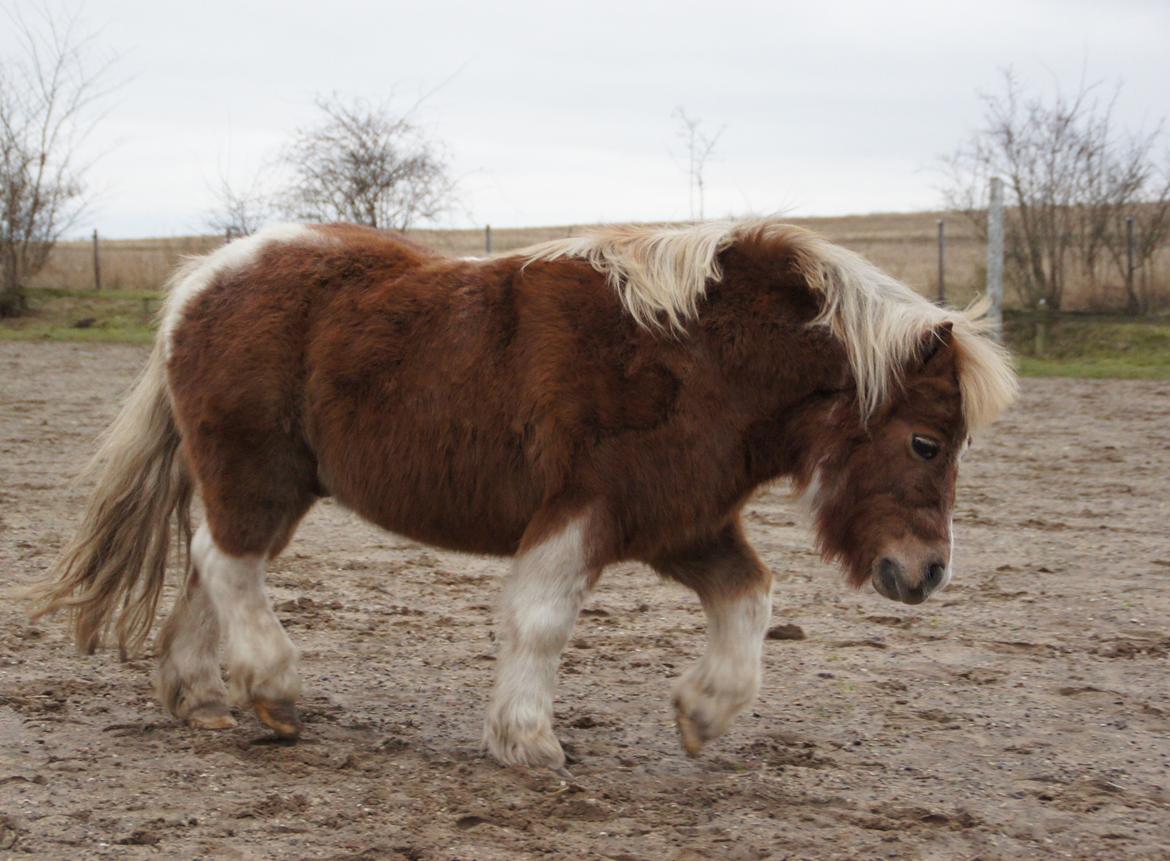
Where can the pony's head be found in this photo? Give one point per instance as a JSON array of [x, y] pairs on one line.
[[881, 487], [881, 457]]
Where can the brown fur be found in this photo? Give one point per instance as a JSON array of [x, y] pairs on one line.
[[454, 401], [719, 568]]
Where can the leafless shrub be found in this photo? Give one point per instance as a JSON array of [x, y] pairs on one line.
[[1071, 181], [700, 146], [1123, 181], [47, 92], [238, 210], [365, 164]]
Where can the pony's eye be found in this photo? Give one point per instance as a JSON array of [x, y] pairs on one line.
[[925, 447]]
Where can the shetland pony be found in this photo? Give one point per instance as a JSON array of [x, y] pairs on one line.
[[613, 396]]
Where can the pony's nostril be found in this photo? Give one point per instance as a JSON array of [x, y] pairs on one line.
[[888, 575], [935, 572]]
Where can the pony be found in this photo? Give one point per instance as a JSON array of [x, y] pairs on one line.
[[617, 395]]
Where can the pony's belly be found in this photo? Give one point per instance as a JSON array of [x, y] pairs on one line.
[[452, 529], [462, 499]]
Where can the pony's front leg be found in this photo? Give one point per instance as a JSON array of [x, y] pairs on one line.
[[735, 588], [543, 594]]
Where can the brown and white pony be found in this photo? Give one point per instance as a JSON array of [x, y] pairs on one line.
[[608, 397]]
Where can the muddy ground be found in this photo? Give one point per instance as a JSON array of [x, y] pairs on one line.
[[1022, 714]]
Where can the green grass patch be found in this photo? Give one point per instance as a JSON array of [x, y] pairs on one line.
[[119, 316], [1092, 369], [43, 295], [103, 334], [1092, 346]]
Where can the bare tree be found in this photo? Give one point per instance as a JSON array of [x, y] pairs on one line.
[[365, 164], [1071, 180], [700, 146], [47, 91], [1123, 182], [239, 211]]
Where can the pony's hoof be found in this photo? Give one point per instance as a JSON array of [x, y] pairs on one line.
[[280, 717], [534, 746], [702, 711], [210, 716], [692, 737]]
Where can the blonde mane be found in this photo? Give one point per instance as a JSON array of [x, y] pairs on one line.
[[661, 275]]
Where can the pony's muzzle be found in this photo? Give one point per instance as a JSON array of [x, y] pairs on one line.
[[892, 580]]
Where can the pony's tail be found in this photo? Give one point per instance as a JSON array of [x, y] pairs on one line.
[[118, 559]]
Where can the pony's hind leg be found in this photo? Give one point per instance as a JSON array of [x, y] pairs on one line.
[[735, 588], [261, 660], [235, 383], [188, 680], [542, 597]]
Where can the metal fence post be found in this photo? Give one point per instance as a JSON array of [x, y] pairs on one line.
[[995, 257], [1041, 335], [97, 263]]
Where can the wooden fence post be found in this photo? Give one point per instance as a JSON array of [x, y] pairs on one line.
[[97, 263], [487, 239], [1132, 304], [942, 273]]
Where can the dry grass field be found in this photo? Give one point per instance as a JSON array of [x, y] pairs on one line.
[[903, 244]]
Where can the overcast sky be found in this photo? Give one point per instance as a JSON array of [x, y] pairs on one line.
[[560, 113]]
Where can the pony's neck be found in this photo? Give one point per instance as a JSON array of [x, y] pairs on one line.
[[792, 444], [785, 372]]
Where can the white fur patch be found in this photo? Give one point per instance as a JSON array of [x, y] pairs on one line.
[[812, 498], [657, 271], [197, 274], [188, 673], [542, 598], [736, 638], [261, 659], [727, 678], [950, 557]]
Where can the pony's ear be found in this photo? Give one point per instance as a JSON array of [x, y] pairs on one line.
[[937, 346]]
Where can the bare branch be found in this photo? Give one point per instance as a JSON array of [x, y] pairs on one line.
[[239, 211], [700, 146]]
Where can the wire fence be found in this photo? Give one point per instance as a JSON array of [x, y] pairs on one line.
[[939, 255]]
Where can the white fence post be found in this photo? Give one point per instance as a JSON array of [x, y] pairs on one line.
[[995, 257]]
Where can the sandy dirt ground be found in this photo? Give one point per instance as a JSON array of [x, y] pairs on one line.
[[1024, 713]]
